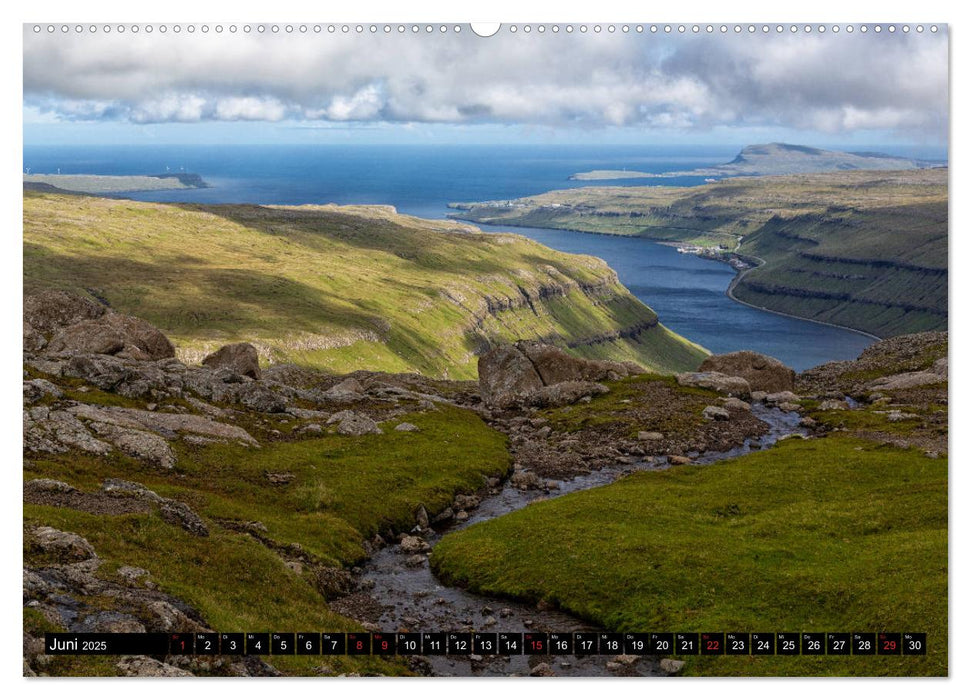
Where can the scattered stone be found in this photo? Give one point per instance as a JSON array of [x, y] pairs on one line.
[[258, 396], [279, 478], [526, 481], [351, 423], [36, 389], [421, 517], [461, 516], [781, 397], [145, 666], [715, 413], [565, 393], [241, 358], [178, 513], [64, 546], [678, 459], [733, 404], [542, 669], [348, 391], [671, 666], [759, 395], [649, 436], [788, 406], [410, 544], [833, 405], [49, 485], [406, 428], [898, 416]]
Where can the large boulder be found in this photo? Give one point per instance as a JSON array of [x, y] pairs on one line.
[[113, 334], [53, 309], [241, 358], [554, 365], [514, 374], [506, 376], [716, 381], [762, 372]]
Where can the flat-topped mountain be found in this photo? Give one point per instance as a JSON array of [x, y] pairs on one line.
[[777, 159], [111, 184]]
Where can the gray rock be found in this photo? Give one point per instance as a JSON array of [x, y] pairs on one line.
[[716, 381], [421, 517], [260, 397], [763, 373], [565, 393], [147, 667], [715, 413], [351, 423], [406, 427], [241, 358], [49, 485], [113, 334], [649, 435], [781, 397], [50, 310], [129, 489], [506, 376], [833, 405], [142, 445], [671, 666], [898, 416], [178, 513], [168, 425], [64, 546], [36, 389], [348, 390], [733, 404], [411, 544]]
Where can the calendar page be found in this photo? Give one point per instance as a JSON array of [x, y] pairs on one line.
[[592, 349]]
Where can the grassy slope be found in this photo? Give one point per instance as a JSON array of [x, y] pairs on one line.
[[345, 490], [337, 288], [863, 249], [832, 534]]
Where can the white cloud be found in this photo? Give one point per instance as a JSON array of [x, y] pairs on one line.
[[829, 83]]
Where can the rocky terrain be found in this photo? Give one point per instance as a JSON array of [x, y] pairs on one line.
[[132, 455]]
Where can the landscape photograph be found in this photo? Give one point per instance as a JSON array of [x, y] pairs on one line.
[[441, 350]]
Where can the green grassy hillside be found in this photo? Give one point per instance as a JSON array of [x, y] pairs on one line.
[[862, 249], [833, 534], [337, 288]]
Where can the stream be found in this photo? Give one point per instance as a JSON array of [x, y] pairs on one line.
[[415, 599]]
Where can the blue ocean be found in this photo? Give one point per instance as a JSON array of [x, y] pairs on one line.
[[687, 292]]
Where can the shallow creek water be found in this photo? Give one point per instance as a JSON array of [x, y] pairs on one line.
[[415, 599]]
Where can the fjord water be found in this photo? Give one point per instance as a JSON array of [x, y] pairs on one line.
[[687, 292]]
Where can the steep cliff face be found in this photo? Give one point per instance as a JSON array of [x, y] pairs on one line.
[[337, 288]]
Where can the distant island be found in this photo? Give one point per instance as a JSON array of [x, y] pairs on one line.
[[111, 184], [776, 159]]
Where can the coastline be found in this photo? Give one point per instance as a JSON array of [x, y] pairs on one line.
[[729, 291]]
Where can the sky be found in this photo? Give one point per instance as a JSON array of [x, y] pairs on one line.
[[855, 89]]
